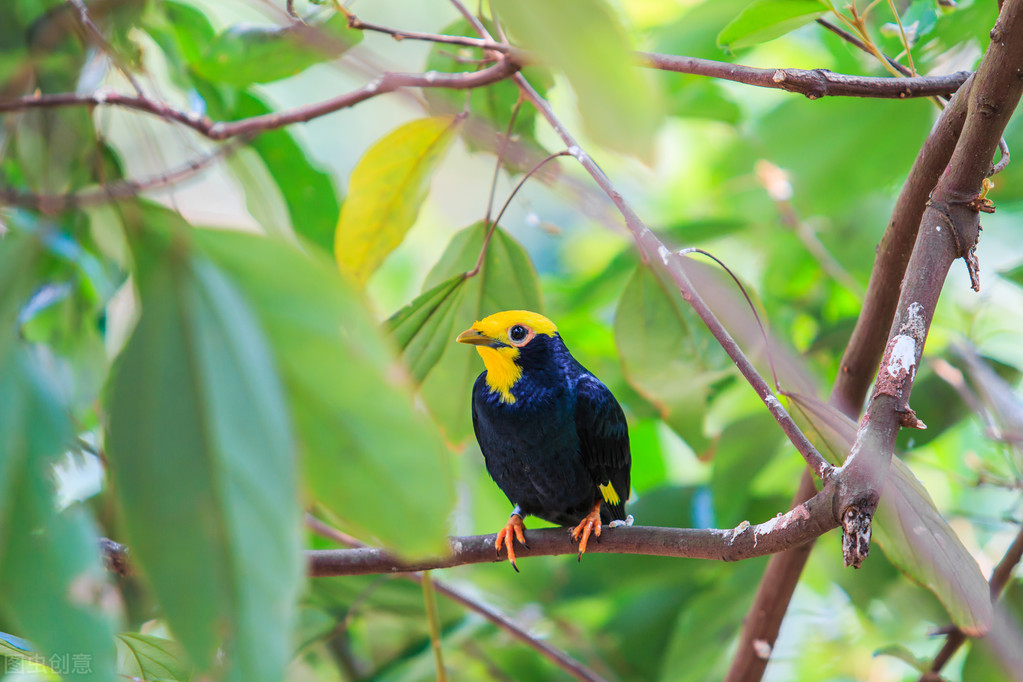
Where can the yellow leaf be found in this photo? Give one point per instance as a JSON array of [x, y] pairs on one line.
[[386, 189]]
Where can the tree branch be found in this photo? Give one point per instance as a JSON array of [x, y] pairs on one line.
[[804, 522], [949, 230], [217, 130], [763, 620], [861, 356], [813, 84]]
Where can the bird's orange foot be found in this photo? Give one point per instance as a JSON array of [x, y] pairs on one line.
[[512, 531], [589, 525]]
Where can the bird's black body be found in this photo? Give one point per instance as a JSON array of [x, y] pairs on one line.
[[563, 437]]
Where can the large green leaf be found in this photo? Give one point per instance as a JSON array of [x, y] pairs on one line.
[[662, 357], [909, 528], [506, 281], [241, 55], [200, 449], [50, 573], [617, 101], [370, 457], [386, 189], [764, 20]]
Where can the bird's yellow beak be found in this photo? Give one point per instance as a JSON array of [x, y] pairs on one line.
[[474, 338]]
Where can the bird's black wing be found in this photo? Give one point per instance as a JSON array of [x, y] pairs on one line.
[[604, 442]]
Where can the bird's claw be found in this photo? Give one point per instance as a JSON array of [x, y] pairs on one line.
[[590, 525], [512, 531]]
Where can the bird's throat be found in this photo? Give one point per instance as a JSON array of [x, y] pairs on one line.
[[502, 370]]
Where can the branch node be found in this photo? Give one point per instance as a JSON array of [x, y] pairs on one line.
[[909, 420], [856, 532]]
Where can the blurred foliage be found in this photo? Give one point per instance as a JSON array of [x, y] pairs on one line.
[[190, 389]]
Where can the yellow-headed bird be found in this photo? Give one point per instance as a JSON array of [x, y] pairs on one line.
[[554, 438]]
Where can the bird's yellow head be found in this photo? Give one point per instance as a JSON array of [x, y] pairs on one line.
[[498, 339]]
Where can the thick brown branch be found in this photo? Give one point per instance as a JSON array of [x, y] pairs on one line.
[[863, 351], [803, 523], [813, 84], [861, 356], [763, 621], [949, 230], [217, 130]]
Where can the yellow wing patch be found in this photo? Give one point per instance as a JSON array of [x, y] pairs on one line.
[[610, 494]]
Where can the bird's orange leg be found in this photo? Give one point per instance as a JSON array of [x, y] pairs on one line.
[[589, 524], [513, 530]]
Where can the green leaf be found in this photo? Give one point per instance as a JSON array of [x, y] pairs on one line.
[[370, 458], [585, 40], [50, 572], [1014, 275], [902, 652], [847, 168], [242, 55], [200, 449], [308, 190], [507, 280], [424, 328], [909, 528], [263, 197], [151, 658], [662, 357], [764, 20], [386, 189]]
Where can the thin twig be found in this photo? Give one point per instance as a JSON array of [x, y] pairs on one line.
[[398, 34], [859, 44], [500, 157], [749, 302], [433, 622], [117, 190], [103, 44], [1003, 161], [905, 38], [497, 220]]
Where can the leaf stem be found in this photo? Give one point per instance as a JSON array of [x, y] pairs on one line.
[[433, 621], [493, 225]]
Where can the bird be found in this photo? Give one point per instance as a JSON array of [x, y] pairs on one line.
[[554, 438]]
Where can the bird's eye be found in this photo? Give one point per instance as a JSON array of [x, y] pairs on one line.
[[517, 333]]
